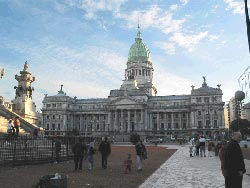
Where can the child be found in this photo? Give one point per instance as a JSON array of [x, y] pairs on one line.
[[191, 150], [128, 163]]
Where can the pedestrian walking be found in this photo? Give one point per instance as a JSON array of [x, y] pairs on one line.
[[221, 153], [57, 149], [17, 125], [197, 147], [105, 150], [202, 141], [141, 154], [9, 129], [78, 151], [210, 149], [91, 152], [234, 163]]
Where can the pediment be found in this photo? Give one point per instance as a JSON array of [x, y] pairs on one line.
[[126, 101]]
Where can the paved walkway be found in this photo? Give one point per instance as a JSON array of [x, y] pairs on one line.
[[182, 171]]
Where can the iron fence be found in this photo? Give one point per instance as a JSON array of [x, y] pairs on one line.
[[26, 149]]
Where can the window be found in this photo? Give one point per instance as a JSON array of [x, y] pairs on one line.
[[169, 115], [47, 126], [59, 126], [215, 123], [206, 99], [184, 125], [199, 124], [139, 72], [177, 125], [54, 117], [47, 116], [162, 125], [198, 99], [169, 125], [59, 117], [199, 113], [176, 115], [53, 126], [48, 105], [183, 115], [54, 105], [215, 112], [207, 123], [161, 115], [214, 99]]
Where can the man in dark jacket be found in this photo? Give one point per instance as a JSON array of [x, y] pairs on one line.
[[105, 150], [234, 163], [78, 150]]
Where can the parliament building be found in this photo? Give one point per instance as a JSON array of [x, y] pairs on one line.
[[135, 107]]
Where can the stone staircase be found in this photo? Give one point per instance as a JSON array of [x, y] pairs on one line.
[[4, 124], [6, 114]]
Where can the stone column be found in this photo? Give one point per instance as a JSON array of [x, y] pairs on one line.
[[81, 128], [129, 128], [109, 126], [122, 120], [142, 124], [172, 121], [136, 124], [180, 122], [158, 121], [165, 121], [146, 120], [116, 121]]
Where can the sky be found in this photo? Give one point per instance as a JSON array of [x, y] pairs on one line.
[[84, 44]]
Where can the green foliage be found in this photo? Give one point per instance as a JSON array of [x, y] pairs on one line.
[[245, 146], [239, 124]]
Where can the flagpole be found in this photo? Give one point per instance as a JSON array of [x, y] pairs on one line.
[[248, 24]]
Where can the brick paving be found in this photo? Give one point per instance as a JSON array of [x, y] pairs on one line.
[[182, 171]]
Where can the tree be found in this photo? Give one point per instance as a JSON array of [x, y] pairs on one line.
[[240, 125]]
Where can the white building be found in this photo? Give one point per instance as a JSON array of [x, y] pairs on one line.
[[133, 108]]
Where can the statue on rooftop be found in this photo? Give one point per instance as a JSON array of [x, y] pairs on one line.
[[204, 78]]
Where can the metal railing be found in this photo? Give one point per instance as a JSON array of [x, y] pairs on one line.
[[27, 149]]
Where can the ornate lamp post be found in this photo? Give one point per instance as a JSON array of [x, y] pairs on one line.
[[239, 96]]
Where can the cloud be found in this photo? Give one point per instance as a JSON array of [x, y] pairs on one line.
[[91, 7], [188, 41], [184, 2], [235, 6], [166, 83], [79, 69], [168, 48]]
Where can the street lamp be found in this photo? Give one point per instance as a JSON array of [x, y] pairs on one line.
[[239, 96]]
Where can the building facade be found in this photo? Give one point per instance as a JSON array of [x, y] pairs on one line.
[[135, 108], [244, 105]]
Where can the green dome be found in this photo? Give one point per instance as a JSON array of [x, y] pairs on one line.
[[139, 51]]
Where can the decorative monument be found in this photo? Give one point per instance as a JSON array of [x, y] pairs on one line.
[[23, 104]]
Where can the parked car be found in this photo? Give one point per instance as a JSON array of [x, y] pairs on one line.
[[155, 140], [244, 143]]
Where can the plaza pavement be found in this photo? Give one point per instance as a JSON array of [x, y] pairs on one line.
[[182, 171]]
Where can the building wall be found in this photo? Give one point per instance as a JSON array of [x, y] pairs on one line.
[[180, 114]]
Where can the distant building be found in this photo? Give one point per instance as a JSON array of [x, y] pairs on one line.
[[135, 108], [244, 83]]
